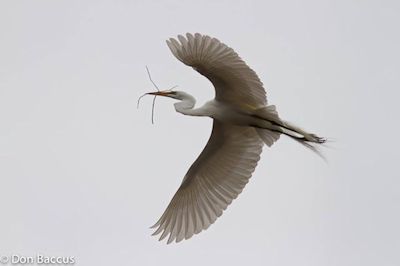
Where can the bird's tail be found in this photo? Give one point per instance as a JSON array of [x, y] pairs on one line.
[[309, 140], [277, 126]]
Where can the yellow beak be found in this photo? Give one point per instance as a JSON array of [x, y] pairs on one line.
[[159, 93]]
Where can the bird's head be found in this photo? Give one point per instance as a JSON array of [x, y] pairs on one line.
[[186, 101]]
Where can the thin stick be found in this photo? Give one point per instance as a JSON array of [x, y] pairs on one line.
[[152, 109], [138, 101], [154, 99], [148, 73], [173, 87], [155, 96]]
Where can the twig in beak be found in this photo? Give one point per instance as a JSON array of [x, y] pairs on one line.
[[173, 87], [152, 109], [138, 101], [152, 93], [154, 99], [148, 73]]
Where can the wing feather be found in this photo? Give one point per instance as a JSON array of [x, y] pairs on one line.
[[214, 180], [234, 81]]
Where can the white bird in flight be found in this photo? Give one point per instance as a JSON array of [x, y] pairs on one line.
[[242, 123]]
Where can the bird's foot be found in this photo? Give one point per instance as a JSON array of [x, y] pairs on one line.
[[317, 139]]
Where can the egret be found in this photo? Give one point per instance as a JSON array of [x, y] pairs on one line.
[[242, 123]]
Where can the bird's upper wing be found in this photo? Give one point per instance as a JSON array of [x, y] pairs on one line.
[[234, 81], [216, 178]]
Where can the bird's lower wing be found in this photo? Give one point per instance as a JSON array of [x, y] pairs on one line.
[[216, 178]]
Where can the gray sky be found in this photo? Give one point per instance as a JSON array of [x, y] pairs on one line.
[[84, 173]]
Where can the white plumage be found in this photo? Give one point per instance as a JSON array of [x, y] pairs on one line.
[[242, 124]]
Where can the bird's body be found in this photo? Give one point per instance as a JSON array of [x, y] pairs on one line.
[[242, 123], [222, 112]]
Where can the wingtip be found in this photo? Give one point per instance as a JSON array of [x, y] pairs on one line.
[[153, 226], [170, 239], [170, 45], [198, 35], [183, 40], [189, 35]]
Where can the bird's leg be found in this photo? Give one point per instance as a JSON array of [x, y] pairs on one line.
[[283, 127]]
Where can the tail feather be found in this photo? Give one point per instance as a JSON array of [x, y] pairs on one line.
[[268, 113], [269, 136]]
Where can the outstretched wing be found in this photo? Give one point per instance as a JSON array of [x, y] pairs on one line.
[[234, 81], [216, 178]]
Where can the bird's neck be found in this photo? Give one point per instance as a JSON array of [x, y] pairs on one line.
[[186, 105]]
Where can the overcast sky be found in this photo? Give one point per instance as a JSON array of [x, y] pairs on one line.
[[84, 173]]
